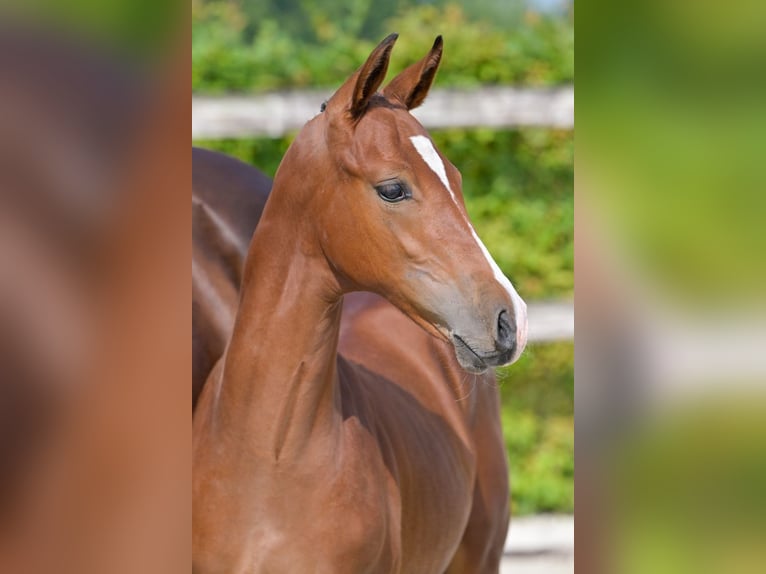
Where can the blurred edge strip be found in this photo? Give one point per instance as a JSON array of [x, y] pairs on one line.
[[275, 114]]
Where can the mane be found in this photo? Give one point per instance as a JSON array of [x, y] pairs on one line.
[[380, 101], [376, 101]]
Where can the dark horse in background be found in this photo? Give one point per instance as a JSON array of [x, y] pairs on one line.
[[228, 197]]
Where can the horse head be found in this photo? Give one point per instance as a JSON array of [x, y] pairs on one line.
[[387, 210]]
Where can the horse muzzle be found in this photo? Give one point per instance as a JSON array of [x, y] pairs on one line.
[[508, 340]]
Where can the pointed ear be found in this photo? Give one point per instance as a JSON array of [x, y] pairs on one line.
[[363, 84], [412, 84]]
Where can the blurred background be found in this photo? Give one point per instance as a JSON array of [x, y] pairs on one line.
[[501, 109], [94, 283], [671, 317]]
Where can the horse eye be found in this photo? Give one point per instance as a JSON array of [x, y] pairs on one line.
[[392, 192]]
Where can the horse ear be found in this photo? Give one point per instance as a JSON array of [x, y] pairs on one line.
[[368, 78], [412, 84]]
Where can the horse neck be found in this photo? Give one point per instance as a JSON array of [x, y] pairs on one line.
[[279, 381]]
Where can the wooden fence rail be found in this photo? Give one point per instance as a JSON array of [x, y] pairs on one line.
[[551, 321], [275, 114]]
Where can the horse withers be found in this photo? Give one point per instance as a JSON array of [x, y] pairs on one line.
[[359, 432]]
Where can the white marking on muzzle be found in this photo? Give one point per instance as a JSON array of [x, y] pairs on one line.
[[429, 154]]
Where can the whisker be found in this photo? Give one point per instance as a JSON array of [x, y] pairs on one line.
[[468, 394]]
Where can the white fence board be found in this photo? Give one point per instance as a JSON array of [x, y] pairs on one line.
[[275, 114], [551, 321]]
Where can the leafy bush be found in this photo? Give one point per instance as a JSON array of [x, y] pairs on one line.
[[234, 51], [539, 52], [538, 424], [518, 187]]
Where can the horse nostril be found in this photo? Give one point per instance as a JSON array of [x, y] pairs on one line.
[[506, 331]]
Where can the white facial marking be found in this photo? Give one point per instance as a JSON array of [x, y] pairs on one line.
[[519, 306], [431, 157], [426, 150]]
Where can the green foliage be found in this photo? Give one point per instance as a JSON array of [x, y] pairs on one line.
[[518, 187], [539, 52], [258, 46], [538, 425], [688, 483]]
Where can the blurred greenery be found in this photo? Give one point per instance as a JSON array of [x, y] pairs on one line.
[[267, 45], [681, 175], [538, 423], [518, 184], [687, 487], [671, 165]]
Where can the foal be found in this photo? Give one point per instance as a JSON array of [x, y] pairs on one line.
[[360, 444]]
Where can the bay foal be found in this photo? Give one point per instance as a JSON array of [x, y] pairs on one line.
[[341, 437]]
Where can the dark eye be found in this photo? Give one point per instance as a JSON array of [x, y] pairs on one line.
[[392, 191]]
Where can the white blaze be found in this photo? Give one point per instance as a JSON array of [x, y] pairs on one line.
[[431, 157], [426, 150]]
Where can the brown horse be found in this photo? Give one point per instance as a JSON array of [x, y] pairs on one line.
[[340, 436]]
